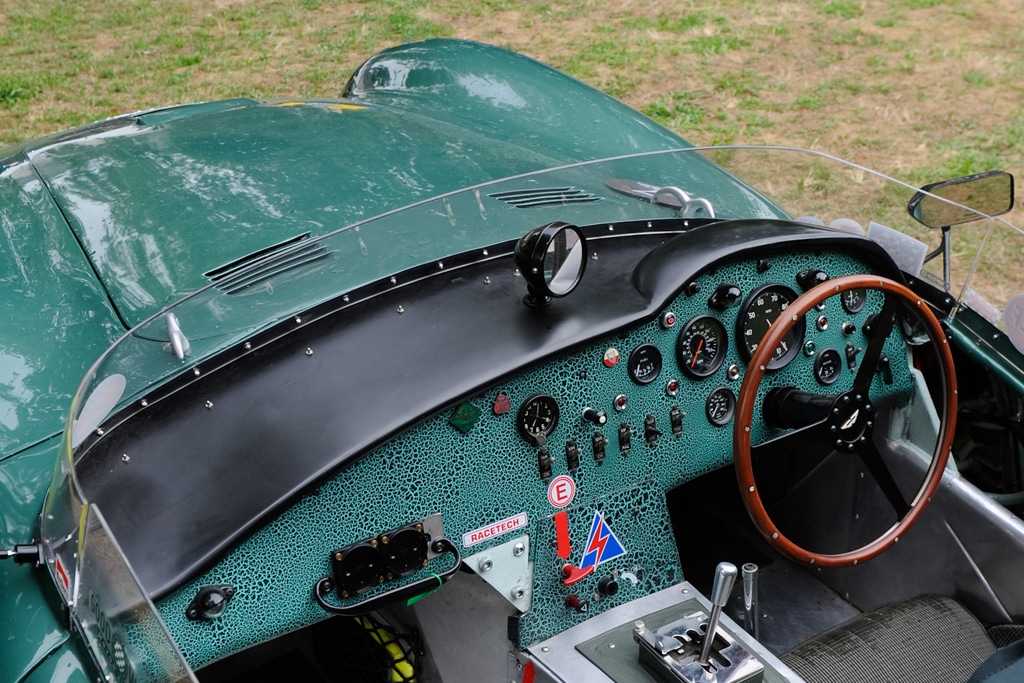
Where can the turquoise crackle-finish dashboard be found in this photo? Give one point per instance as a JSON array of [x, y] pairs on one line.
[[471, 466]]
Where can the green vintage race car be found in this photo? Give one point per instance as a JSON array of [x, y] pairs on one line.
[[477, 374]]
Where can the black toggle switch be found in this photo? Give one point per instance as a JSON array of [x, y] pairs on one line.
[[851, 355], [544, 463], [572, 455], [675, 418], [598, 442], [885, 367], [651, 431], [598, 417], [625, 438]]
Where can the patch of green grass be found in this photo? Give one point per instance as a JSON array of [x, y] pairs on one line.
[[977, 79], [745, 83], [715, 45], [679, 111], [12, 91], [847, 9]]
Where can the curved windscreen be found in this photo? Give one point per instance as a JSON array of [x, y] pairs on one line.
[[287, 287]]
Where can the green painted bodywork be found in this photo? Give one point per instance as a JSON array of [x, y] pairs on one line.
[[32, 631], [57, 318]]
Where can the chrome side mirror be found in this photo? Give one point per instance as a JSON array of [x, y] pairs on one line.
[[551, 259], [973, 197], [983, 194]]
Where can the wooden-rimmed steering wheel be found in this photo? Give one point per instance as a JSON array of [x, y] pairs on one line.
[[843, 422]]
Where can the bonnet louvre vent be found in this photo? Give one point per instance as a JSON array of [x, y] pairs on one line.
[[551, 196], [271, 264]]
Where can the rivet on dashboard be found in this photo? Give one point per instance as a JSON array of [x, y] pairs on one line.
[[593, 256], [99, 432], [124, 457], [394, 280], [345, 298], [298, 320], [487, 280], [401, 310], [486, 253], [247, 346], [144, 403], [611, 228], [209, 405], [196, 372], [309, 351], [440, 265]]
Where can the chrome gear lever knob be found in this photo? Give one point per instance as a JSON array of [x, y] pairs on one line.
[[721, 589]]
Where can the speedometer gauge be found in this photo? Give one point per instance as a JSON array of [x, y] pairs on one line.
[[757, 314], [701, 346]]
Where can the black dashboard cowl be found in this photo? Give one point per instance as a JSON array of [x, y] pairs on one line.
[[663, 272], [217, 455]]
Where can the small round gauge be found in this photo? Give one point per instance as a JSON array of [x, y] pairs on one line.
[[757, 314], [828, 366], [720, 406], [537, 418], [853, 300], [701, 346], [645, 364]]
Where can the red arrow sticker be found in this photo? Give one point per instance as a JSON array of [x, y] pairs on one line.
[[562, 534]]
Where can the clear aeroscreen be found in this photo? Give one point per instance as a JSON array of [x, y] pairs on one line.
[[115, 615]]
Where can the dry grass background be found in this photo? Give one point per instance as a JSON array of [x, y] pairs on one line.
[[922, 89]]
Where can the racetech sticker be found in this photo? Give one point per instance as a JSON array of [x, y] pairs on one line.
[[494, 530]]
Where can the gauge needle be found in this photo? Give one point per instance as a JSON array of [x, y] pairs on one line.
[[696, 354]]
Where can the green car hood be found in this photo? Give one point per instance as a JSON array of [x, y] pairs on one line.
[[163, 202], [56, 317]]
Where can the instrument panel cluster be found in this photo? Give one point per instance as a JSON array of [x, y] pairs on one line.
[[691, 360]]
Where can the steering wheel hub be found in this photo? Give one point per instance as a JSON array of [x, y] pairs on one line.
[[851, 420]]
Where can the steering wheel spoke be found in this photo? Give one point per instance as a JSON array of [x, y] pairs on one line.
[[879, 334], [882, 475], [847, 426]]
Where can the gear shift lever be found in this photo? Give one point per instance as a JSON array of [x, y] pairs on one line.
[[725, 577]]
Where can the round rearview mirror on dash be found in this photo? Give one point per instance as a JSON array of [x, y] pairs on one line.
[[551, 260], [962, 200]]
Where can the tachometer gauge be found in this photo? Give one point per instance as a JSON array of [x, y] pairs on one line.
[[828, 366], [537, 418], [701, 346], [853, 300], [757, 314], [720, 406]]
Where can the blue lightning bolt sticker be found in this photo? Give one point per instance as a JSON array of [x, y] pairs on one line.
[[602, 545]]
